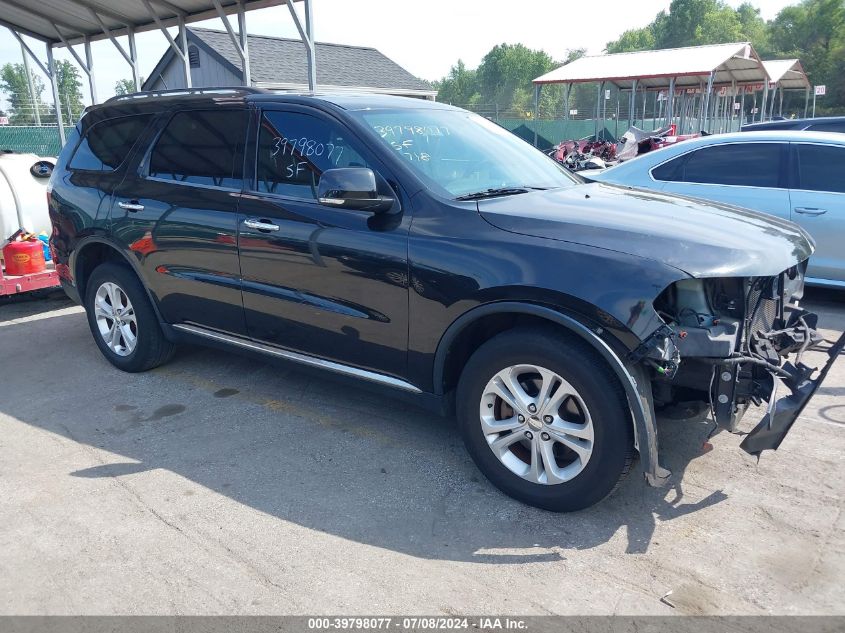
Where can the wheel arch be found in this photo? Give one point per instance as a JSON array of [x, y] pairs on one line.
[[94, 251], [634, 379]]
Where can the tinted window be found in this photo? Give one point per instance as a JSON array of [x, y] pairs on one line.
[[831, 126], [668, 171], [821, 168], [107, 143], [294, 149], [746, 164], [204, 148]]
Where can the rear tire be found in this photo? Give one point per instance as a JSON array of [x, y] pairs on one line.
[[545, 419], [122, 320]]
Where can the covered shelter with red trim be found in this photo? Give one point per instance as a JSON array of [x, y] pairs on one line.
[[693, 87]]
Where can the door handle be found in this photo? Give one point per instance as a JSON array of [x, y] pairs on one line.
[[809, 211], [132, 206], [260, 225]]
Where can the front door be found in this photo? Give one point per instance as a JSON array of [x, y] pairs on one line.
[[178, 214], [324, 281], [818, 205]]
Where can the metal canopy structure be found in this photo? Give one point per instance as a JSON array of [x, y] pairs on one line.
[[786, 74], [702, 76], [655, 69], [71, 22]]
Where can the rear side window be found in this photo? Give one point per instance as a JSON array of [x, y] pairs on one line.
[[831, 126], [821, 168], [201, 148], [295, 149], [107, 143], [669, 170], [740, 164]]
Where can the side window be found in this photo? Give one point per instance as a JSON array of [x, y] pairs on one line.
[[295, 149], [744, 164], [821, 168], [201, 148], [830, 126], [107, 143], [669, 170]]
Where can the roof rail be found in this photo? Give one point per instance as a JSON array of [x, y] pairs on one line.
[[188, 91]]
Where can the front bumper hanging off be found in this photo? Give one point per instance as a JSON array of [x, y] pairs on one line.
[[774, 426]]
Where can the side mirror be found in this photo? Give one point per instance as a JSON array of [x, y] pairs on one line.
[[352, 188]]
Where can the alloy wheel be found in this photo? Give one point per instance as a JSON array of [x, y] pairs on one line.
[[116, 319], [537, 424]]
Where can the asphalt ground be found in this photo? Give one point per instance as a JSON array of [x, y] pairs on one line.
[[219, 484]]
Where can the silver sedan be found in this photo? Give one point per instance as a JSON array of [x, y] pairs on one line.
[[799, 176]]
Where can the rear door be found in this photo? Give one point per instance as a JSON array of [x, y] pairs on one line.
[[321, 280], [818, 205], [750, 175], [178, 215]]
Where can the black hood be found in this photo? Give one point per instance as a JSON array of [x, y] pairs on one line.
[[701, 238]]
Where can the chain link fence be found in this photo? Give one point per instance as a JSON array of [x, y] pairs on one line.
[[31, 139], [608, 114]]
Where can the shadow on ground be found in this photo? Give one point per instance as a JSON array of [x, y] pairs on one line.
[[307, 449]]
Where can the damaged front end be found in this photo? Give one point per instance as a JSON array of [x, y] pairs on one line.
[[733, 342]]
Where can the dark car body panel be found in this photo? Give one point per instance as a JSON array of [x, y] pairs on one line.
[[702, 239], [819, 124]]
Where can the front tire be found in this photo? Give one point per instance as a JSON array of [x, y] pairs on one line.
[[122, 320], [545, 419]]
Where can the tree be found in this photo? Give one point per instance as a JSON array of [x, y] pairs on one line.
[[507, 68], [22, 104], [459, 87], [70, 92], [689, 23], [124, 87], [814, 32]]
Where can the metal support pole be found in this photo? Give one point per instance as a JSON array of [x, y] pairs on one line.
[[89, 61], [51, 65], [670, 102], [183, 46], [238, 41], [567, 105], [806, 101], [307, 36], [35, 105], [537, 88], [707, 98], [780, 104], [772, 104], [632, 104], [764, 100], [598, 109], [133, 60], [683, 108], [242, 32], [814, 102]]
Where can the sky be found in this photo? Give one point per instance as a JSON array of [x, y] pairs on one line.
[[425, 37]]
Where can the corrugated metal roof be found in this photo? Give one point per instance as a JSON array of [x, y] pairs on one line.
[[73, 17], [280, 62], [737, 61], [787, 73]]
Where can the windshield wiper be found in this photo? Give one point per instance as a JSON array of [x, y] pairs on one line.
[[497, 191]]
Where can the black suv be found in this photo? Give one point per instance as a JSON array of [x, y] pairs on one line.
[[422, 248]]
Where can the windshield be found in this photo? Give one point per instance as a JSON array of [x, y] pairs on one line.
[[460, 153]]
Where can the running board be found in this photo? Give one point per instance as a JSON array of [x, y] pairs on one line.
[[302, 359]]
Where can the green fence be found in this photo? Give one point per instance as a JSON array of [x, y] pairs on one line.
[[43, 140]]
